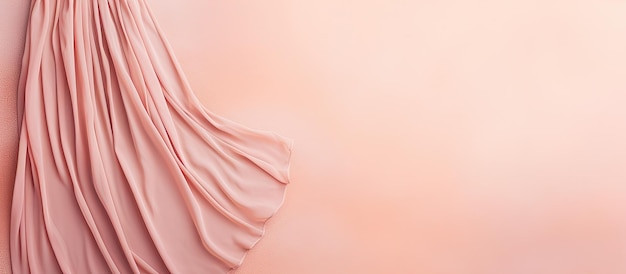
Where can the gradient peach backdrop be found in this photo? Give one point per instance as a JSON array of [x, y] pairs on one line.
[[431, 136]]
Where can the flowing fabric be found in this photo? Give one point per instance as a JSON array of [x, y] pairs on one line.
[[120, 168]]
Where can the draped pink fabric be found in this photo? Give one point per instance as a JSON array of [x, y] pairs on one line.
[[120, 168]]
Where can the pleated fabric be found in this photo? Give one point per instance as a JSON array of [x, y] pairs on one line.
[[120, 168]]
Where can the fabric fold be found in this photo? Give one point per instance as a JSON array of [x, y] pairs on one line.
[[120, 168]]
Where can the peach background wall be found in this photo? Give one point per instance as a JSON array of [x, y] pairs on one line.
[[431, 136]]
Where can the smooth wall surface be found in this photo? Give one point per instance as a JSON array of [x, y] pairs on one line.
[[430, 136]]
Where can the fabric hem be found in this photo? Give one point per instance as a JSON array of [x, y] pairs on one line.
[[274, 212]]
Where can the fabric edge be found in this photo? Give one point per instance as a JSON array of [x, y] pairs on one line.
[[276, 209]]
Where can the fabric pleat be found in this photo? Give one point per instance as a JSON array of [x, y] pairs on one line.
[[120, 167]]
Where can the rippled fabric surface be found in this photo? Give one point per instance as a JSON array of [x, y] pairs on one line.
[[120, 168]]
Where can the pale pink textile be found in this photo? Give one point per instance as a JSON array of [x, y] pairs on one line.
[[121, 169]]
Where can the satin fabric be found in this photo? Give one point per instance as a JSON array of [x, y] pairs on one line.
[[120, 168]]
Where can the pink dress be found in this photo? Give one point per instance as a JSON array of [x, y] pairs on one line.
[[120, 168]]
